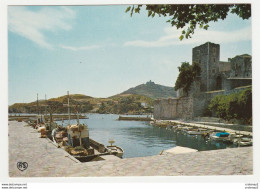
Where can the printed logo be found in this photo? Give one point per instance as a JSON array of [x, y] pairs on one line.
[[22, 166]]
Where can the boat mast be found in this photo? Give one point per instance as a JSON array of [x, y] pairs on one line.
[[68, 106], [37, 105], [80, 140], [37, 110], [45, 111]]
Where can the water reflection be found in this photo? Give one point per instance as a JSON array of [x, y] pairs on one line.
[[140, 138]]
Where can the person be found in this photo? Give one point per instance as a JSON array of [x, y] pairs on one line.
[[53, 134]]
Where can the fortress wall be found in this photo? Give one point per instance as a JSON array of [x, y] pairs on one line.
[[179, 108], [165, 109], [241, 66], [199, 105], [230, 84], [186, 107], [224, 66]]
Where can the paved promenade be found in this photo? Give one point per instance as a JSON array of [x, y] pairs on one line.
[[45, 160]]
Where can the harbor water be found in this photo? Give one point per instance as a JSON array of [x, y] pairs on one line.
[[139, 138]]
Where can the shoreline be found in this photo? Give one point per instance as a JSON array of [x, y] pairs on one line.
[[45, 160], [165, 123]]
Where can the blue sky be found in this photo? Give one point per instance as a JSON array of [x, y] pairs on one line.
[[101, 51]]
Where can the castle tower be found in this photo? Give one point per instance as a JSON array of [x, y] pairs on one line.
[[207, 55]]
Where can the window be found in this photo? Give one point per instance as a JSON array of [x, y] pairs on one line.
[[214, 51]]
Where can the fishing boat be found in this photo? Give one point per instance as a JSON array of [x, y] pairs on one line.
[[74, 139]]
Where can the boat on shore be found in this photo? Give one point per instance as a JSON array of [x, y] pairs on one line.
[[243, 141], [75, 140], [115, 150], [219, 136], [196, 131]]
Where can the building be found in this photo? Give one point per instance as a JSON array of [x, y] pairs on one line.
[[217, 77]]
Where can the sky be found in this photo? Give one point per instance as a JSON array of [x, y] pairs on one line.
[[101, 51]]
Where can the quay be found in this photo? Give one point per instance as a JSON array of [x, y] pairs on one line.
[[135, 118], [165, 123], [45, 160], [56, 117]]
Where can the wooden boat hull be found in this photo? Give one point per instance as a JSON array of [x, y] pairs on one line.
[[116, 150]]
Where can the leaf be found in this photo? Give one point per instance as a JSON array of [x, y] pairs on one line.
[[206, 27], [181, 37], [128, 9], [137, 10], [149, 13]]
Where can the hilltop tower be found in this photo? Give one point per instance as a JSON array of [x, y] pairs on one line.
[[207, 55]]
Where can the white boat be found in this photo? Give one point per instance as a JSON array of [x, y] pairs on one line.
[[233, 137], [244, 141], [116, 150], [196, 132], [185, 129]]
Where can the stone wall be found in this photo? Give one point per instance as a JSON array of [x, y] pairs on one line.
[[241, 66], [224, 66], [179, 108], [187, 107], [232, 83]]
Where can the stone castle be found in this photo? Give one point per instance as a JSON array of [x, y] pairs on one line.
[[217, 77]]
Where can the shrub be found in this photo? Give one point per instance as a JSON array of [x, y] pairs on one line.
[[233, 106]]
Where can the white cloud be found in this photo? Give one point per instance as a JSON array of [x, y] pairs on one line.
[[31, 24], [171, 38], [79, 48]]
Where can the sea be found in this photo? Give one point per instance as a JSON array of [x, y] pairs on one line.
[[140, 138]]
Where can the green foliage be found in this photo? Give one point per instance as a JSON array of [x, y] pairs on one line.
[[192, 15], [55, 105], [187, 74], [130, 104], [233, 106]]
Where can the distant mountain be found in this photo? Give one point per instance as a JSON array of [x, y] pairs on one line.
[[152, 90], [118, 104], [135, 100]]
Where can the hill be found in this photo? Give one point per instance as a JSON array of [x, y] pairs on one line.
[[135, 100], [152, 90], [118, 104]]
